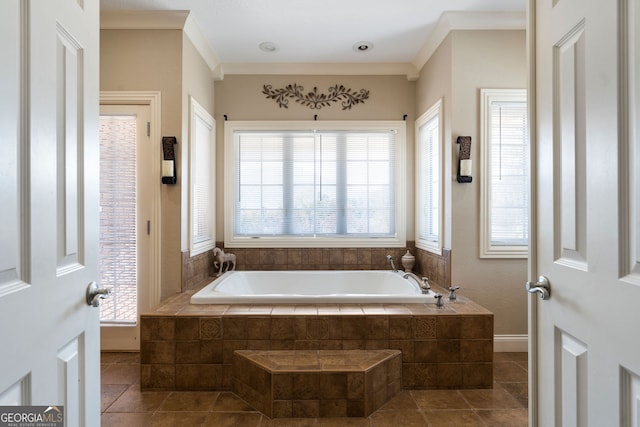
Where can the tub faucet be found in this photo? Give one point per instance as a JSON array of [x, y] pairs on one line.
[[393, 266], [423, 283]]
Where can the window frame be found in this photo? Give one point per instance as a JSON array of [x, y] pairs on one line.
[[201, 244], [434, 112], [487, 248], [233, 241]]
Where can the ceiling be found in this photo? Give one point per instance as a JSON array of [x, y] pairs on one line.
[[317, 31]]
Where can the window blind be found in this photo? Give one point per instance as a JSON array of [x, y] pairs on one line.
[[201, 208], [509, 203], [311, 184], [118, 218], [429, 176]]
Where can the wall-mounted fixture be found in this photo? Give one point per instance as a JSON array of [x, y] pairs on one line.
[[464, 159], [169, 172], [314, 99]]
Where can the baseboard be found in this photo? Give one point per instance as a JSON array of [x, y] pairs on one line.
[[510, 343]]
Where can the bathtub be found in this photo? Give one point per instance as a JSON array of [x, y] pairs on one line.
[[310, 287]]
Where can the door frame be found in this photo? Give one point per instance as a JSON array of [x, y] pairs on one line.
[[152, 99], [532, 263]]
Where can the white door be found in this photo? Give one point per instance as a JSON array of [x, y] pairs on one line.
[[126, 205], [588, 236], [49, 206]]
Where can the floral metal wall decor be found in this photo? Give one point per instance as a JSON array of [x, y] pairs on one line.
[[315, 100]]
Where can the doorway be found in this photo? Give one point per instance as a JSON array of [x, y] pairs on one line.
[[129, 220]]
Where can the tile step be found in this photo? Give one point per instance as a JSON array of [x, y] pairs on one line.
[[317, 383]]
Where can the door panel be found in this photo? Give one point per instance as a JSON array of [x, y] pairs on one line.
[[586, 121], [48, 194]]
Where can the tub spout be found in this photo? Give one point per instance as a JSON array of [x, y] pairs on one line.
[[423, 283], [393, 266]]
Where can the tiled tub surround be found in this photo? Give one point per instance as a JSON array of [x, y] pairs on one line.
[[199, 268], [317, 383], [190, 347]]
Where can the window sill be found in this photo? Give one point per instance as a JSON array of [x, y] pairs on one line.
[[316, 242]]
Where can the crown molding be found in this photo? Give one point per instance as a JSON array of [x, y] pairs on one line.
[[163, 20], [182, 20], [329, 69], [193, 31], [143, 19], [451, 21]]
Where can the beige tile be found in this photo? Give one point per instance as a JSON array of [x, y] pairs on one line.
[[229, 402], [398, 418], [509, 372], [109, 393], [496, 398], [285, 422], [189, 401], [125, 419], [342, 422], [134, 400], [466, 418], [401, 402], [233, 419], [439, 399], [172, 419], [518, 390], [505, 417], [120, 373]]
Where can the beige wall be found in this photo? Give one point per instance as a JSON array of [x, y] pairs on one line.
[[197, 81], [466, 62], [240, 98], [433, 84], [484, 59], [165, 61]]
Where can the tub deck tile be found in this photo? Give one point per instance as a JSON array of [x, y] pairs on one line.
[[461, 334]]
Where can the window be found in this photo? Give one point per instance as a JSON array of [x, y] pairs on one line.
[[429, 179], [314, 184], [118, 218], [202, 171], [504, 231]]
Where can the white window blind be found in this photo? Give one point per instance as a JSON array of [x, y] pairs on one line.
[[118, 218], [201, 174], [429, 180], [315, 184], [330, 183], [506, 182]]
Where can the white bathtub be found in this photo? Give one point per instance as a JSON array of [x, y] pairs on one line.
[[271, 287]]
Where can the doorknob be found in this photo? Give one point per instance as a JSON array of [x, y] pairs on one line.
[[541, 286], [95, 294]]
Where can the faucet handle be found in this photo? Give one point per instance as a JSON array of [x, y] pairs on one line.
[[439, 302], [452, 293], [425, 284]]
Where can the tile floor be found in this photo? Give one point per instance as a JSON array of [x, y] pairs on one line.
[[124, 405]]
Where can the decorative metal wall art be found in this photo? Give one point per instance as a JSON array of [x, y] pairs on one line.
[[315, 100]]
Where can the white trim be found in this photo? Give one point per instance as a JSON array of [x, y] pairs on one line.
[[143, 19], [450, 21], [437, 109], [280, 242], [510, 343], [329, 69], [198, 112], [193, 31], [164, 20], [154, 101]]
